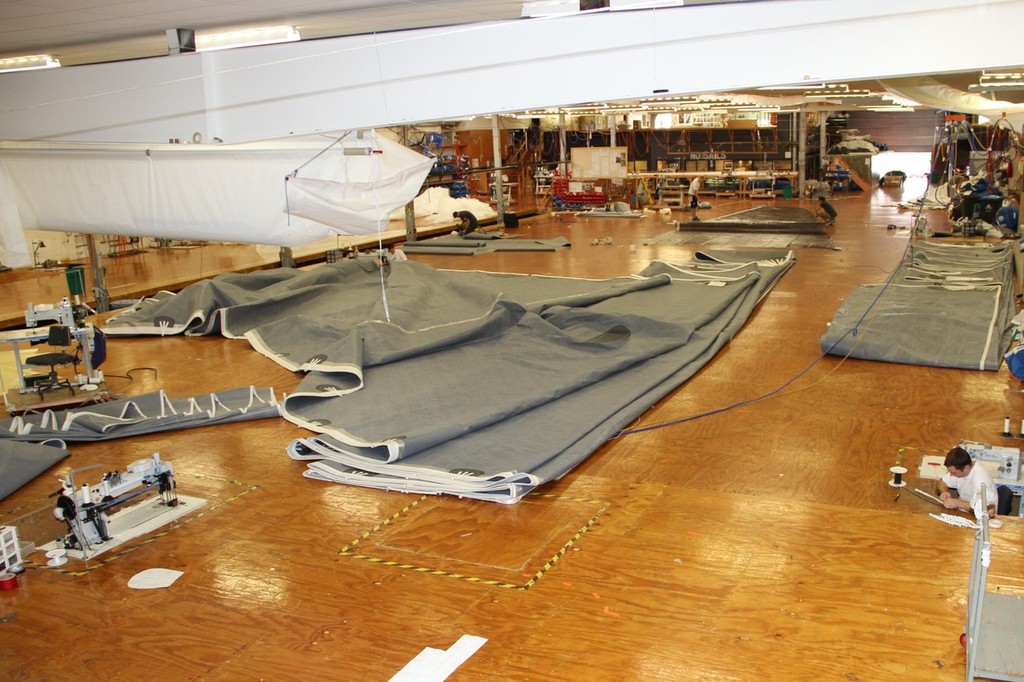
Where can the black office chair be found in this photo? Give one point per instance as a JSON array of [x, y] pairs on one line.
[[60, 337], [1005, 504]]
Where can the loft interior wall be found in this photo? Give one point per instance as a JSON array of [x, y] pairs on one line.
[[430, 74]]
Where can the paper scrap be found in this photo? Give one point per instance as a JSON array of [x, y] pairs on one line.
[[153, 578]]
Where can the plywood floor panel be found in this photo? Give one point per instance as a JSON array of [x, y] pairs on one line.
[[763, 542]]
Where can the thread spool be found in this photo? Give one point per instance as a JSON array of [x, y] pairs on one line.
[[8, 581], [57, 557], [1006, 427], [897, 477]]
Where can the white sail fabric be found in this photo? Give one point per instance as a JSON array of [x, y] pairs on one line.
[[932, 93], [357, 183], [209, 192]]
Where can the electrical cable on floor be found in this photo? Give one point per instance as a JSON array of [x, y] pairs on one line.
[[780, 390], [128, 374]]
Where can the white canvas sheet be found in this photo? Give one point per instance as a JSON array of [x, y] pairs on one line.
[[233, 193]]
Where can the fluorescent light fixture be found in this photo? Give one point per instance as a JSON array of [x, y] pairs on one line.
[[545, 8], [805, 86], [642, 4], [839, 94], [208, 42], [28, 63], [1002, 79], [894, 107]]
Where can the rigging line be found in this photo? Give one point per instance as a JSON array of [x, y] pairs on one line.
[[779, 389], [320, 153], [375, 176]]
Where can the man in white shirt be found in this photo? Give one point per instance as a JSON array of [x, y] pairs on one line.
[[693, 193], [396, 254], [961, 485]]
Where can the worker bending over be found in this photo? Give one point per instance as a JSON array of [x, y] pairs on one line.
[[962, 483]]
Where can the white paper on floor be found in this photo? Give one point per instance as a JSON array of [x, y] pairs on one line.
[[154, 578]]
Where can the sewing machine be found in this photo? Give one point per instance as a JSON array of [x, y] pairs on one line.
[[1007, 460], [85, 509], [37, 322], [63, 313]]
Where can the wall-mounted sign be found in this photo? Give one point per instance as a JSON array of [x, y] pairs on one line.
[[706, 156]]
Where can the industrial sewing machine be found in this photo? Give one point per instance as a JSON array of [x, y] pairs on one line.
[[1006, 460], [85, 509], [64, 312], [38, 319]]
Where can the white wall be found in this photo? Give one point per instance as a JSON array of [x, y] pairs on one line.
[[361, 82], [413, 76]]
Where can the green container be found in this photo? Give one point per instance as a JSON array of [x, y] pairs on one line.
[[76, 280], [787, 192]]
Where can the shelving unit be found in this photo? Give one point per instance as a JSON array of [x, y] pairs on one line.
[[451, 166]]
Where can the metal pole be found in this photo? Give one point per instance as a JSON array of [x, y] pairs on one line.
[[99, 276], [562, 168], [499, 185], [822, 141], [801, 157], [410, 221], [286, 257]]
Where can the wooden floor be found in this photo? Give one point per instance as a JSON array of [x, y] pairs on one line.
[[761, 543]]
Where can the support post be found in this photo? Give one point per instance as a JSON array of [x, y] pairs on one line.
[[822, 141], [99, 276], [410, 221], [562, 168], [801, 156], [499, 184], [287, 259]]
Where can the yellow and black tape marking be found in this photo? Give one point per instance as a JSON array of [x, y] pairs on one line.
[[142, 543], [566, 547], [347, 550]]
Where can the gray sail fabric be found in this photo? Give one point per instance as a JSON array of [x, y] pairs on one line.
[[482, 385], [147, 413], [758, 219], [479, 242], [22, 462], [947, 305]]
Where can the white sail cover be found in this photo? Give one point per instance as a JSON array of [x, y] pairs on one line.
[[360, 180], [929, 92], [344, 184]]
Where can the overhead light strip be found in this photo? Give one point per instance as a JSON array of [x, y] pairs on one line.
[[28, 63], [249, 37]]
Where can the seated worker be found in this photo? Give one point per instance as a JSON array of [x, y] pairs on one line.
[[467, 222], [826, 213], [962, 483], [396, 254], [393, 254]]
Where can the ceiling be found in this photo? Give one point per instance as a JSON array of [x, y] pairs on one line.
[[90, 31]]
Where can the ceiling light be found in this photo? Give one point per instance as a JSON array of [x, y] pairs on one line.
[[545, 8], [838, 94], [29, 63], [805, 86], [1002, 79], [894, 107], [614, 5], [207, 42]]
